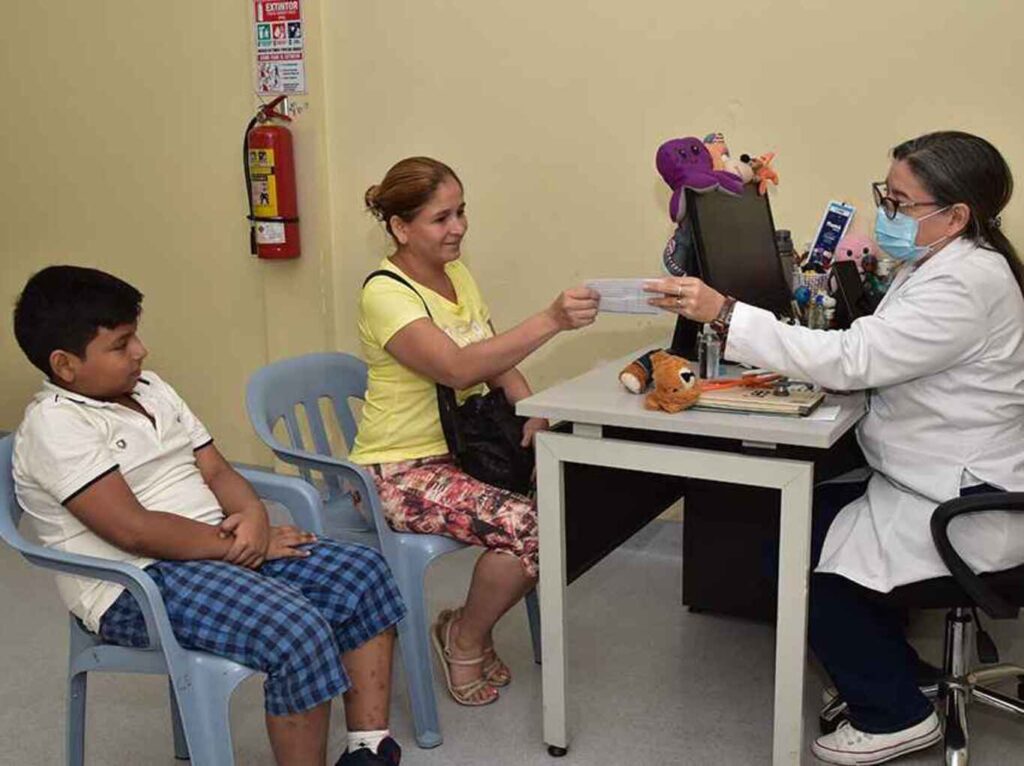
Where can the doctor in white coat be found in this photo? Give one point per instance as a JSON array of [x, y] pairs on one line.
[[942, 359]]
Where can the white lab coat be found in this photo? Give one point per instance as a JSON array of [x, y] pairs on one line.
[[943, 357]]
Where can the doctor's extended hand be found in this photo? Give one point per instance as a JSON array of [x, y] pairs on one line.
[[686, 296]]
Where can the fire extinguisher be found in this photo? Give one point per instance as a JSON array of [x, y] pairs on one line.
[[270, 183]]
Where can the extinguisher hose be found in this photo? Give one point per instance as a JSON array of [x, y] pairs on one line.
[[248, 181]]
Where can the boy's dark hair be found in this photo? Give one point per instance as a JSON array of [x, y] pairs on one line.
[[63, 307]]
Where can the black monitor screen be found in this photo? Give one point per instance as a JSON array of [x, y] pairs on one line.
[[734, 237]]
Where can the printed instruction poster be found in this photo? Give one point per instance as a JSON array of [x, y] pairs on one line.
[[280, 47]]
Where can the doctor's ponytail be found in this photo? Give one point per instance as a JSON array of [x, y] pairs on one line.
[[957, 167]]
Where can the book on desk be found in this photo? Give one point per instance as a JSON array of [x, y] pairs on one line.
[[795, 402]]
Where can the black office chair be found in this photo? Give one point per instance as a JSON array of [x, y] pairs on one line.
[[999, 594]]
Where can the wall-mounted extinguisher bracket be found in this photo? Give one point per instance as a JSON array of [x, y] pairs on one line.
[[269, 165]]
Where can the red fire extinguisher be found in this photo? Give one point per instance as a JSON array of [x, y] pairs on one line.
[[270, 182]]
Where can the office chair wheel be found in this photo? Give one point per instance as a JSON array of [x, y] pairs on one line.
[[557, 752]]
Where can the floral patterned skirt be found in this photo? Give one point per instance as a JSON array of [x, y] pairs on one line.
[[433, 496]]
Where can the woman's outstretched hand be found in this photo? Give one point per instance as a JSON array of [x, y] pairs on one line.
[[575, 308]]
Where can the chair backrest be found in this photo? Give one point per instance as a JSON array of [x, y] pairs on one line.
[[10, 511], [276, 391]]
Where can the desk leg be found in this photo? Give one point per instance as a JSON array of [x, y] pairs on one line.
[[791, 628], [551, 523]]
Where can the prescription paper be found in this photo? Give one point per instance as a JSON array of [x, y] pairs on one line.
[[624, 296]]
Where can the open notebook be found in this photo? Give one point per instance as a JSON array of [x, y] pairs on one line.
[[761, 400]]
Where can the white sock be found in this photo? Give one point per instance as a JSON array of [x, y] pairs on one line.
[[367, 739]]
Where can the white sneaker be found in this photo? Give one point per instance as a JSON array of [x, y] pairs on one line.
[[847, 745]]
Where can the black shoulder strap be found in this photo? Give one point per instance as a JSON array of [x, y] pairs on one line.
[[446, 402], [400, 279]]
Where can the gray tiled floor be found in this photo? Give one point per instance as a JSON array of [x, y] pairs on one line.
[[650, 682]]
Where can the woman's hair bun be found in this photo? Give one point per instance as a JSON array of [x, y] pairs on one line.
[[370, 198]]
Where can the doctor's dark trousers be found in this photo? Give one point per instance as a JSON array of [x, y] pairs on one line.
[[858, 638]]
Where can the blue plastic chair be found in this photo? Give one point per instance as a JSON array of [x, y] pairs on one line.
[[275, 393], [201, 684]]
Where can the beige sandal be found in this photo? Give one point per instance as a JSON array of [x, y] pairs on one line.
[[464, 694], [496, 671]]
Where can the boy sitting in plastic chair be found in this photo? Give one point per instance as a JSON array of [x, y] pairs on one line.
[[110, 462]]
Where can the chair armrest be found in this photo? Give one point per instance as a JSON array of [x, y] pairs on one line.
[[298, 496], [138, 583], [356, 474], [992, 603]]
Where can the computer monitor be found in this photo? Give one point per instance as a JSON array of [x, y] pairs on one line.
[[734, 243]]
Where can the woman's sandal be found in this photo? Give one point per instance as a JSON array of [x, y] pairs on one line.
[[464, 694], [495, 671]]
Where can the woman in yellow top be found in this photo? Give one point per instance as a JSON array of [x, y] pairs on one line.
[[420, 201]]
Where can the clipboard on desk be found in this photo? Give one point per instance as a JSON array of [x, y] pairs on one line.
[[797, 402]]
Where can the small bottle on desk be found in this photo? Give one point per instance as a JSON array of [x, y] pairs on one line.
[[816, 317], [709, 353]]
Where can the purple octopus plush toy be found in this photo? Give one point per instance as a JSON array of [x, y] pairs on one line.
[[686, 163]]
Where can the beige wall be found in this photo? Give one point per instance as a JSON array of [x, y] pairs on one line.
[[551, 112], [122, 150]]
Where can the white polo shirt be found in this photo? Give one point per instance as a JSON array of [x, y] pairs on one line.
[[66, 442]]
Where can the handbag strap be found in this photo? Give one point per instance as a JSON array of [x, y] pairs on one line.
[[446, 401]]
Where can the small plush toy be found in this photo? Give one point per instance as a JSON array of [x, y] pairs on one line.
[[675, 382], [762, 170], [686, 163], [680, 253], [721, 158], [715, 142], [637, 374], [856, 247]]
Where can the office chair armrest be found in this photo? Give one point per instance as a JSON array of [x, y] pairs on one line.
[[992, 603], [298, 496], [138, 583], [356, 474]]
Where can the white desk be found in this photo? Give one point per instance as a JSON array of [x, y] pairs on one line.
[[595, 400]]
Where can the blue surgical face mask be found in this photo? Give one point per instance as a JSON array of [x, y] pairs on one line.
[[898, 236]]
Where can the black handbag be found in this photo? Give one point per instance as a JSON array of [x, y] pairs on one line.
[[483, 434]]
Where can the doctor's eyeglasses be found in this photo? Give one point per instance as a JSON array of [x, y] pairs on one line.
[[890, 205]]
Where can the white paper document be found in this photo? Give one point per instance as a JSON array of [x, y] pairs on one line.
[[624, 296]]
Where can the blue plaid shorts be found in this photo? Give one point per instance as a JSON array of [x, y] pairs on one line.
[[292, 619]]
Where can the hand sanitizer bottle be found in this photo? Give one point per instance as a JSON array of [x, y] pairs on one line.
[[709, 352]]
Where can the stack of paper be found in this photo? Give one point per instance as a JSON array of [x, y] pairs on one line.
[[624, 296]]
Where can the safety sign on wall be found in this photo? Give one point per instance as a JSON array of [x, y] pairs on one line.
[[280, 46]]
